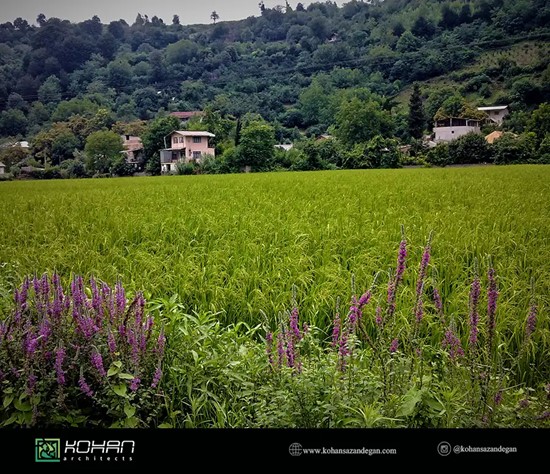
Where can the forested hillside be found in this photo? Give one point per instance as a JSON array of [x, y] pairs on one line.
[[301, 69]]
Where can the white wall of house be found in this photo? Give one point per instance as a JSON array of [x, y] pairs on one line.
[[447, 134], [497, 115]]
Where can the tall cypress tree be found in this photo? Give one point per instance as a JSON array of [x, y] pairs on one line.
[[416, 113]]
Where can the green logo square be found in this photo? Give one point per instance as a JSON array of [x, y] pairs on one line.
[[47, 450]]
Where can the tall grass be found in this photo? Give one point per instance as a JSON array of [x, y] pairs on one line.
[[238, 243]]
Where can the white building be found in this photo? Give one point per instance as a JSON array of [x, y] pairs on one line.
[[450, 129], [2, 168], [496, 113]]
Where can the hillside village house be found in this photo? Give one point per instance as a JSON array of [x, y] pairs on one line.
[[186, 116], [451, 128], [133, 150], [2, 168], [187, 146], [496, 113]]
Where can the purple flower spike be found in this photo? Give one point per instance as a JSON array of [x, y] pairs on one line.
[[84, 387], [294, 327], [134, 384], [498, 398], [97, 362], [379, 320], [474, 315], [269, 347], [419, 312], [120, 297], [492, 295], [156, 377], [394, 345], [452, 344], [111, 343], [438, 303], [365, 298], [422, 272]]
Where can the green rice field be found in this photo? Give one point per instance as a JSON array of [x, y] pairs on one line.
[[238, 243]]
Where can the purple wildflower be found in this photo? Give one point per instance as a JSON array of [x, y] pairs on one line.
[[545, 416], [161, 343], [294, 327], [379, 320], [452, 343], [474, 315], [524, 403], [31, 344], [120, 297], [531, 320], [290, 350], [97, 362], [394, 345], [59, 357], [269, 347], [305, 329], [365, 298], [422, 272], [85, 387], [343, 350], [44, 330], [498, 398], [134, 384], [156, 377], [354, 314], [111, 343], [401, 258], [31, 383], [419, 311]]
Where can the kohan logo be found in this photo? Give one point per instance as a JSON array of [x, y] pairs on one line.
[[84, 450]]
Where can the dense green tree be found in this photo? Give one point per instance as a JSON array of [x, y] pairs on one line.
[[102, 149], [416, 117], [470, 148], [359, 121], [181, 52], [50, 91], [13, 123], [63, 146], [408, 43], [256, 147], [539, 123], [513, 149], [119, 74], [68, 108], [423, 28]]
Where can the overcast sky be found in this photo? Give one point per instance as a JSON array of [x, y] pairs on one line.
[[189, 11]]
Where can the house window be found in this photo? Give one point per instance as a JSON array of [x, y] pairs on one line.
[[174, 139], [197, 139], [196, 155], [181, 139]]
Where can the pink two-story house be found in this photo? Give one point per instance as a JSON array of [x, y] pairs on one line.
[[186, 146]]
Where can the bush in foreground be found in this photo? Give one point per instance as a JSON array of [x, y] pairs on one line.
[[79, 357]]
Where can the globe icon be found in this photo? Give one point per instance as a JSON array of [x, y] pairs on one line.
[[295, 449]]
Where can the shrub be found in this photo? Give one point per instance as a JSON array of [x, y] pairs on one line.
[[511, 149], [439, 155], [471, 148], [185, 168], [79, 357]]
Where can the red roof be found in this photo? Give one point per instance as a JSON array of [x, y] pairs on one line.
[[186, 115]]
